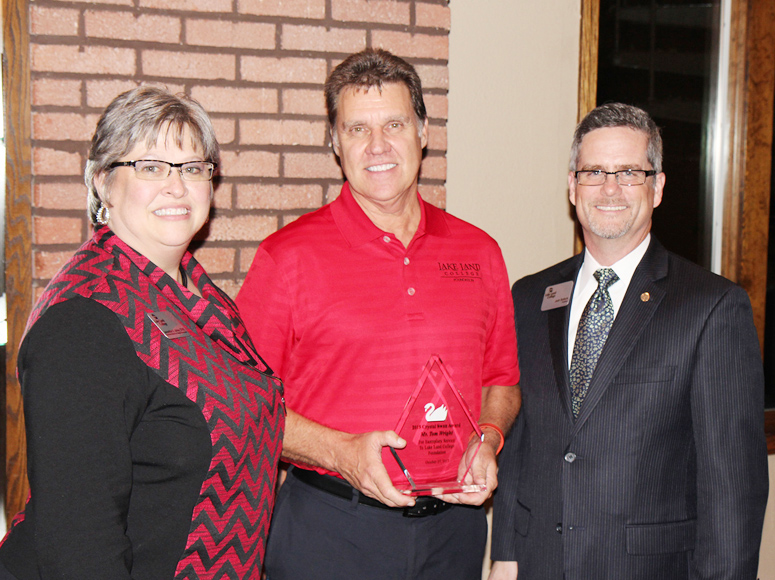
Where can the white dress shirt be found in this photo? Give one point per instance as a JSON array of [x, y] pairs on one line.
[[586, 285]]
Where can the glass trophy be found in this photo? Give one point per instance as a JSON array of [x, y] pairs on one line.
[[437, 426]]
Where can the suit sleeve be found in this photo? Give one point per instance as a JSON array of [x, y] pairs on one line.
[[265, 306], [504, 540], [82, 387], [504, 525], [727, 402]]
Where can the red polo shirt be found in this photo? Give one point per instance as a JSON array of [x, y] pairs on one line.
[[348, 317]]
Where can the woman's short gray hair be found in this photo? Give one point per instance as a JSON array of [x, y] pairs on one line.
[[140, 114]]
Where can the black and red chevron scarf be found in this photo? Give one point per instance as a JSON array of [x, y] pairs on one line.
[[215, 363]]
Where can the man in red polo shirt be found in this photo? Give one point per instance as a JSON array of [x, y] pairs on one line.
[[347, 304]]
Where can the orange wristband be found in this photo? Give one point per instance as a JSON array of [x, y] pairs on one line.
[[498, 431]]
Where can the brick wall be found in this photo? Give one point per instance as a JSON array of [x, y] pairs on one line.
[[257, 66]]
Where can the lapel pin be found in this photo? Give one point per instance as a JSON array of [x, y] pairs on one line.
[[645, 297]]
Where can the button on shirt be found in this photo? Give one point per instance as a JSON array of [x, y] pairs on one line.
[[586, 285]]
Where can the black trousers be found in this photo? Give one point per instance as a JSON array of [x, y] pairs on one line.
[[318, 535]]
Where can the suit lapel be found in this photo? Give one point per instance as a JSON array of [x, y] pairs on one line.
[[558, 336], [633, 316]]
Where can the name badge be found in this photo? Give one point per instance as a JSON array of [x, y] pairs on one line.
[[557, 296], [170, 326]]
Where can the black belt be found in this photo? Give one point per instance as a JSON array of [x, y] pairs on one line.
[[424, 505]]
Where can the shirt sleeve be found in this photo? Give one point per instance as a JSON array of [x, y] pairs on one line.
[[82, 388], [265, 305], [500, 355]]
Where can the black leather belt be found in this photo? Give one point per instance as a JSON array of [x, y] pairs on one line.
[[424, 505]]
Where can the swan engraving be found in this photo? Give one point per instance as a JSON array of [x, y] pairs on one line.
[[432, 414]]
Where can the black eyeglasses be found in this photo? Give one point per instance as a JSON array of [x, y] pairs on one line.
[[628, 177], [155, 170]]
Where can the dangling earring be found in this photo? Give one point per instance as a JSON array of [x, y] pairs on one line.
[[103, 214]]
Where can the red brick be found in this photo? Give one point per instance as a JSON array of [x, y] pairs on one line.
[[283, 70], [292, 8], [101, 93], [131, 26], [332, 192], [37, 291], [63, 126], [193, 65], [216, 260], [433, 76], [46, 264], [60, 195], [434, 168], [432, 15], [322, 38], [253, 228], [189, 5], [252, 35], [225, 130], [434, 194], [106, 2], [282, 132], [266, 196], [437, 106], [230, 286], [54, 21], [437, 138], [60, 92], [57, 230], [246, 256], [236, 100], [314, 165], [250, 164], [83, 60], [304, 101], [222, 197], [379, 11], [408, 45], [52, 162]]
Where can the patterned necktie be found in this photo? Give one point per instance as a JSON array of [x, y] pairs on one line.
[[594, 326]]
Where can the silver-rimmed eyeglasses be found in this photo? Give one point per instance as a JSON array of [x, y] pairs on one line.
[[628, 177], [155, 170]]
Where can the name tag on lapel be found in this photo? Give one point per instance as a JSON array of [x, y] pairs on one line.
[[557, 296], [170, 326]]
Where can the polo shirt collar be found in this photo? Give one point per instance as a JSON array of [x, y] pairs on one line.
[[358, 229]]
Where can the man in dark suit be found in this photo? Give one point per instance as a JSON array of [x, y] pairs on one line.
[[639, 452]]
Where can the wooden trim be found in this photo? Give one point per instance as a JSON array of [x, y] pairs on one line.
[[750, 114], [18, 228], [588, 57], [747, 201]]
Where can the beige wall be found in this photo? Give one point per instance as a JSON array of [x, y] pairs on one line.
[[513, 74], [767, 554], [513, 77], [512, 107]]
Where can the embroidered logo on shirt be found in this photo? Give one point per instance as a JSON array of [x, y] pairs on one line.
[[462, 271]]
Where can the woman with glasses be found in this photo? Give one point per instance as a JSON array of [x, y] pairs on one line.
[[153, 426]]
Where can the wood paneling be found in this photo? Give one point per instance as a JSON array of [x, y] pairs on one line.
[[18, 228], [588, 55], [750, 115], [747, 200]]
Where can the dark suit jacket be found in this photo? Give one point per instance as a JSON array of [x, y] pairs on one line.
[[664, 474]]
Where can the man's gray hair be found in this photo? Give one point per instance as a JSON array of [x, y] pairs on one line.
[[619, 115], [141, 114]]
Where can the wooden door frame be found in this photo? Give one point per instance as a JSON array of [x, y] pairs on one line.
[[18, 236], [750, 115]]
